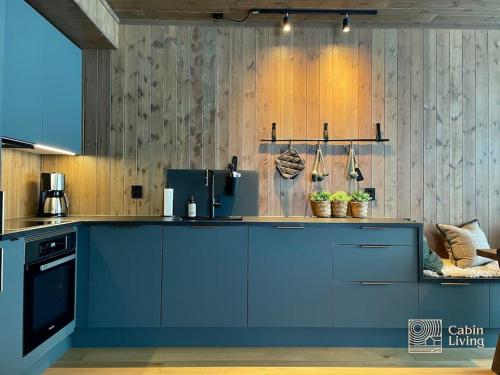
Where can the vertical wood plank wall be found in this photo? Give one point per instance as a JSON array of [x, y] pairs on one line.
[[20, 182], [192, 96]]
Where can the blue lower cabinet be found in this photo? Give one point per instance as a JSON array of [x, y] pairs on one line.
[[290, 281], [455, 303], [495, 305], [125, 276], [205, 276], [372, 234], [374, 304], [375, 263], [11, 307]]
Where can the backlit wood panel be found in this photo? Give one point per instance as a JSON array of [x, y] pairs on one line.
[[194, 95]]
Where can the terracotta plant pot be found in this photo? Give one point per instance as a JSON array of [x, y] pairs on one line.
[[321, 209], [359, 209], [339, 209]]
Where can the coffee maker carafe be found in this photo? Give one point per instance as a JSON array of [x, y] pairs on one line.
[[53, 201]]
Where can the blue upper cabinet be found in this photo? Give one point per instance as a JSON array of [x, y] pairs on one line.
[[42, 79], [2, 52], [290, 281], [62, 91], [11, 306], [22, 101]]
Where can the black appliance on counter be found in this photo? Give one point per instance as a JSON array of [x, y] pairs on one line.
[[193, 182], [49, 286]]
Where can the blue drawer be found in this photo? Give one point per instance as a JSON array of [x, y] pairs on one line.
[[375, 263], [495, 305], [374, 305], [455, 303], [359, 234]]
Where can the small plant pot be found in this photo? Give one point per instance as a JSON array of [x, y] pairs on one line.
[[359, 209], [321, 209], [339, 209]]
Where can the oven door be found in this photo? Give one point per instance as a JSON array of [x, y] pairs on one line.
[[49, 298]]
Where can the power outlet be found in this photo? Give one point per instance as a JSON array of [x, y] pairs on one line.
[[371, 192], [136, 191]]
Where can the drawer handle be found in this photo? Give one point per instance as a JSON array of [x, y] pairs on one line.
[[374, 246], [290, 227], [455, 284], [375, 228], [374, 283]]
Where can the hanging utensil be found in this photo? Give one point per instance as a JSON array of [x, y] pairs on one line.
[[289, 164], [357, 170], [316, 175], [351, 164], [322, 162]]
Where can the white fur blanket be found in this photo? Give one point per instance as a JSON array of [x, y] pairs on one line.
[[450, 270]]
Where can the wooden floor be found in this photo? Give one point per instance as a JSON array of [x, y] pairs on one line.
[[270, 361]]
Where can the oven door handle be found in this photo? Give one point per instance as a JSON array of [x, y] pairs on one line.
[[58, 262]]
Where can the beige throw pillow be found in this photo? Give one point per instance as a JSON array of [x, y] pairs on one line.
[[462, 243]]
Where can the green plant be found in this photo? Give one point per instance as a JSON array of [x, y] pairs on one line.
[[340, 196], [320, 196], [360, 196]]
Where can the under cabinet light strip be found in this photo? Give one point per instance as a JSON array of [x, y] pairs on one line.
[[53, 149]]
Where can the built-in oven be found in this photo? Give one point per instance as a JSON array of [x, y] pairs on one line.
[[49, 286]]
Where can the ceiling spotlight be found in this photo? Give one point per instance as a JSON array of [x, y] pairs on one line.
[[346, 24], [286, 23]]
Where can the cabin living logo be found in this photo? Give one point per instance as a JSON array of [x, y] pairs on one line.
[[426, 336]]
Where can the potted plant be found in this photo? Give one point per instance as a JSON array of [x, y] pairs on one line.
[[340, 200], [359, 203], [320, 203]]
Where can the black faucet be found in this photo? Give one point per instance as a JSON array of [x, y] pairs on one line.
[[210, 183]]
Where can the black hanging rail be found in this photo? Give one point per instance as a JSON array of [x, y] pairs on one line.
[[325, 138]]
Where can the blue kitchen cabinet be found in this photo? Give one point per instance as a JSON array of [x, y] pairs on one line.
[[456, 303], [125, 276], [374, 304], [290, 281], [2, 54], [11, 306], [370, 234], [42, 81], [205, 276], [375, 263], [495, 304], [62, 91], [22, 99]]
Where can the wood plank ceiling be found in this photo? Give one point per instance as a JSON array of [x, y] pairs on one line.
[[429, 13]]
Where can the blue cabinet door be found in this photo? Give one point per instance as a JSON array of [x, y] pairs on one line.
[[495, 305], [205, 276], [374, 305], [2, 52], [290, 281], [62, 91], [125, 276], [455, 303], [11, 306], [375, 263], [22, 100]]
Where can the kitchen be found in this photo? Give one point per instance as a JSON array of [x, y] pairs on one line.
[[317, 152]]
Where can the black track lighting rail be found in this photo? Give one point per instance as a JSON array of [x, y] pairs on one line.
[[341, 12]]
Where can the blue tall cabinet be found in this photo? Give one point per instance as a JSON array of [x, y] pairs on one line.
[[2, 47], [42, 80], [11, 306]]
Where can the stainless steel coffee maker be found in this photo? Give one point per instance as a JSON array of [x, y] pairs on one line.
[[53, 201]]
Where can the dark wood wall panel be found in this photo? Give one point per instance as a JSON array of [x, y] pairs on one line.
[[192, 96]]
